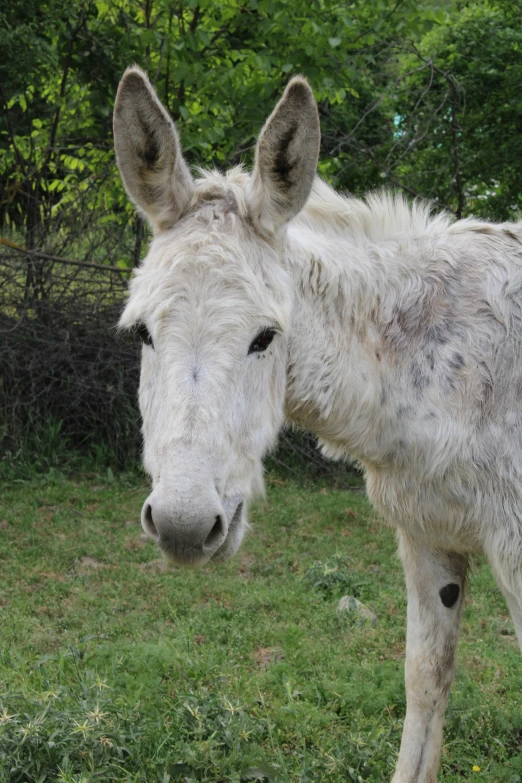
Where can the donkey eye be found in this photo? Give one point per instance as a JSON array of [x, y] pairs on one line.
[[144, 334], [262, 341]]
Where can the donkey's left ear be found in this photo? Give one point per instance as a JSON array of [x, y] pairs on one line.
[[286, 158], [148, 152]]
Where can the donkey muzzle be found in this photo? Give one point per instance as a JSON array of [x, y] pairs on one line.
[[190, 527]]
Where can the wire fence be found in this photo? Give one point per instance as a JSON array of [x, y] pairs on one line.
[[69, 379], [63, 366]]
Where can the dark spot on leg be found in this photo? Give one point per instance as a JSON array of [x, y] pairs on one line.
[[449, 595]]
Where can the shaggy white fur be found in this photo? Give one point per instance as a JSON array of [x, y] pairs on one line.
[[391, 333]]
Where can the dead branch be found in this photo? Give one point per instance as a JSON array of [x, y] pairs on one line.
[[59, 259]]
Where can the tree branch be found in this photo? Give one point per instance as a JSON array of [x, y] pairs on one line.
[[58, 259]]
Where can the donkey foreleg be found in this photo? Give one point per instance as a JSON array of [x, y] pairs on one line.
[[505, 557], [435, 582]]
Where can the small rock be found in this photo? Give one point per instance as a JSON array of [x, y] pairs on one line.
[[349, 604], [264, 656], [89, 562]]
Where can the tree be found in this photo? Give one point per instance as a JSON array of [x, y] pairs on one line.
[[459, 112], [216, 66]]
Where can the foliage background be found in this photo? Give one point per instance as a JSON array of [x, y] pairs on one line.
[[424, 97], [112, 667]]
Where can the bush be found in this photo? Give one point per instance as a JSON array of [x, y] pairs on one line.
[[69, 379]]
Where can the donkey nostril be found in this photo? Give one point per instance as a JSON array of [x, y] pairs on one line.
[[216, 532], [149, 522]]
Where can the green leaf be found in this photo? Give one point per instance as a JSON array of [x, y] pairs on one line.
[[180, 770]]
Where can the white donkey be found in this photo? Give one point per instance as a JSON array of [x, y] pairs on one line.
[[394, 336]]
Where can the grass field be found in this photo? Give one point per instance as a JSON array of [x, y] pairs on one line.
[[114, 667]]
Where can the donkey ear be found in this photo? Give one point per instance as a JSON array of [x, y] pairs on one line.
[[286, 158], [148, 152]]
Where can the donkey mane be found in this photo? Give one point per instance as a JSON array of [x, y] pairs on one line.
[[228, 189], [379, 217]]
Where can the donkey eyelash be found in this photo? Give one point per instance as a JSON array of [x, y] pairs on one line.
[[143, 333]]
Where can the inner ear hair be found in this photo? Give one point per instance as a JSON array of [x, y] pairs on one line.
[[148, 152]]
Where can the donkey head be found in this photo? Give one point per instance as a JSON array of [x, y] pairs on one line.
[[212, 303]]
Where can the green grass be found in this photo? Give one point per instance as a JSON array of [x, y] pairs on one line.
[[114, 667]]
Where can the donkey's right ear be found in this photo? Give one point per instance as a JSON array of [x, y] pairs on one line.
[[148, 152]]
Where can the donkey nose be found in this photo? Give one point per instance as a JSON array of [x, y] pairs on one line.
[[187, 534]]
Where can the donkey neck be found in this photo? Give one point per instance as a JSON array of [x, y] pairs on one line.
[[345, 382], [333, 364]]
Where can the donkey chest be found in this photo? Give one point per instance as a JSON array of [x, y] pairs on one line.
[[420, 472], [441, 510]]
